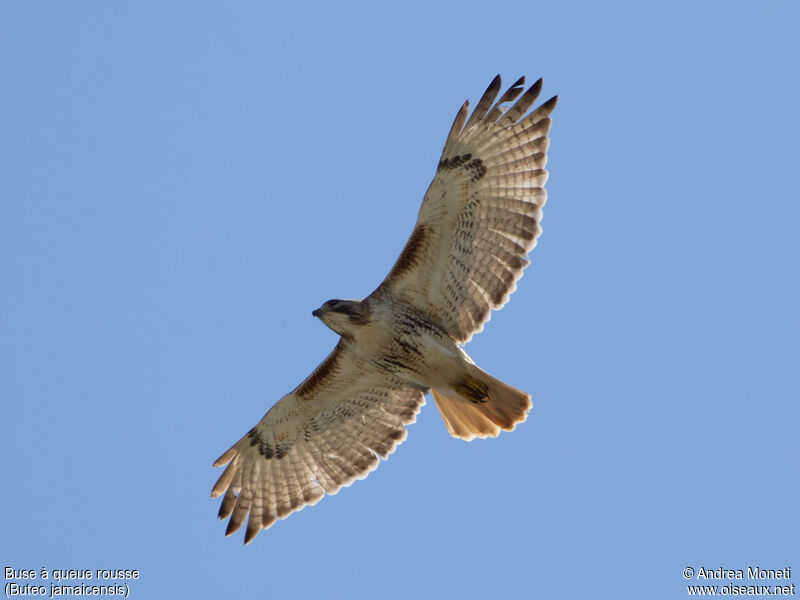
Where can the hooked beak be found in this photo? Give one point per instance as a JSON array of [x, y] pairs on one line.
[[315, 313]]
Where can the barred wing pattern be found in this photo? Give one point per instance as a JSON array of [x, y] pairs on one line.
[[480, 216], [330, 431]]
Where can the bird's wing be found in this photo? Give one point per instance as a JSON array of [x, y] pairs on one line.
[[325, 434], [480, 215]]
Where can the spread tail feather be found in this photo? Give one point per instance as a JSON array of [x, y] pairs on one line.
[[480, 406]]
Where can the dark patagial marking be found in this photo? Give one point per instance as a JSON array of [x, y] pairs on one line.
[[264, 447], [478, 169], [475, 166], [328, 367], [359, 315], [453, 162], [411, 252]]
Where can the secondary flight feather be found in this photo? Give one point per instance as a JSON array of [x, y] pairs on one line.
[[478, 221]]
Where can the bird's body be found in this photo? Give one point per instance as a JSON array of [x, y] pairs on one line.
[[477, 222], [395, 339]]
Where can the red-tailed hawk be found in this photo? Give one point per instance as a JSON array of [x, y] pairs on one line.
[[478, 220]]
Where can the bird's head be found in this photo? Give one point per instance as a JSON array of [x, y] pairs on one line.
[[343, 316]]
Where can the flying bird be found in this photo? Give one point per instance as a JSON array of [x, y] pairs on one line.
[[479, 219]]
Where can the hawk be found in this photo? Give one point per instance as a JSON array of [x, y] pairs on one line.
[[478, 220]]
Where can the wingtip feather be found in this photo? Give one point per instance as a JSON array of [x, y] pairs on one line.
[[523, 104], [458, 123], [550, 104], [224, 481], [226, 457], [231, 528], [253, 529], [486, 101], [226, 506]]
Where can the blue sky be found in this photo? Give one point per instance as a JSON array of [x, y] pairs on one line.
[[182, 183]]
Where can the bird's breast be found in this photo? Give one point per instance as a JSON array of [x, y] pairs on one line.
[[405, 343]]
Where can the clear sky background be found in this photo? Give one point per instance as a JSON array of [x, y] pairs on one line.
[[183, 182]]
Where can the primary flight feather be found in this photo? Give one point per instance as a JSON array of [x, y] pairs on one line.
[[479, 219]]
